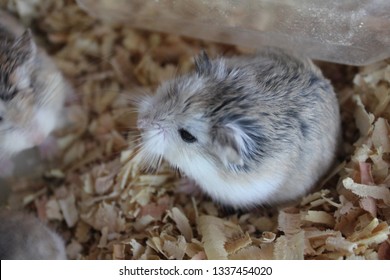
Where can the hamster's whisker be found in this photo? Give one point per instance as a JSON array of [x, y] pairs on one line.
[[132, 111], [148, 159], [134, 136], [134, 140], [159, 163], [133, 129], [150, 137], [133, 132], [55, 84], [139, 97], [136, 146]]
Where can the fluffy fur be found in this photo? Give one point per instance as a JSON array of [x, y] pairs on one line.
[[266, 125], [32, 91], [24, 237]]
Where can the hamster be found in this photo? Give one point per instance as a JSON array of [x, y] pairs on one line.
[[24, 237], [32, 90], [254, 130]]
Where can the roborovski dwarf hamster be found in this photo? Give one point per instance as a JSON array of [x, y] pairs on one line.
[[250, 130], [24, 237], [32, 90]]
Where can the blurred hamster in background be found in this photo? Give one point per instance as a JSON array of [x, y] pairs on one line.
[[32, 91], [32, 98], [251, 130], [24, 237]]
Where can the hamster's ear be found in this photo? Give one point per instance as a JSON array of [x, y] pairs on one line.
[[202, 64], [25, 45], [228, 144]]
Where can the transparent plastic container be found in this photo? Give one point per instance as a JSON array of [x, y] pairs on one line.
[[355, 32]]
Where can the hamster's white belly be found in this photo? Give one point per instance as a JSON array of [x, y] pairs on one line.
[[239, 190]]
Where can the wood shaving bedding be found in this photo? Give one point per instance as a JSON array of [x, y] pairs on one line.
[[101, 201]]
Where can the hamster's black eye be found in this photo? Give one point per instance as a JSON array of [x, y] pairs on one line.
[[1, 118], [186, 136]]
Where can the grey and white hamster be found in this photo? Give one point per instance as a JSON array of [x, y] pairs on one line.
[[250, 130], [24, 237], [32, 90]]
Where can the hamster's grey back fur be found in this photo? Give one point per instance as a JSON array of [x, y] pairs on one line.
[[24, 237], [266, 126]]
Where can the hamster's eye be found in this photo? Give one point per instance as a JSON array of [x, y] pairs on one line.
[[186, 136], [1, 118]]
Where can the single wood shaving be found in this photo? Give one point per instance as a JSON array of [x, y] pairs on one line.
[[182, 223], [380, 135], [364, 120], [320, 217], [237, 243], [213, 237], [118, 251], [68, 208], [289, 223], [250, 253], [176, 249], [291, 247], [377, 192]]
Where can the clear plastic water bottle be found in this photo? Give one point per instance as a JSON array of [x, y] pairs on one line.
[[342, 31]]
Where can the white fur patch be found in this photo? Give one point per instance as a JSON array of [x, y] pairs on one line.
[[16, 141], [245, 190], [46, 121], [21, 76]]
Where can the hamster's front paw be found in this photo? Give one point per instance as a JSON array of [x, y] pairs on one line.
[[187, 186], [49, 149]]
